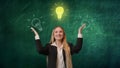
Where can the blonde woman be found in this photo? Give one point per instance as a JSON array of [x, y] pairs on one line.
[[59, 51]]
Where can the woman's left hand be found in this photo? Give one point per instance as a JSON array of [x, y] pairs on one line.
[[81, 28]]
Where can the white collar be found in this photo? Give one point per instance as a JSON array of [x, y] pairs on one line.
[[54, 44]]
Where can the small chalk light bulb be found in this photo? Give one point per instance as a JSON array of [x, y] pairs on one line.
[[59, 12]]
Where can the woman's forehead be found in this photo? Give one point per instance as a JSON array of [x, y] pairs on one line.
[[58, 28]]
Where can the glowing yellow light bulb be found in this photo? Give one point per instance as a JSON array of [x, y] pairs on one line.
[[59, 11]]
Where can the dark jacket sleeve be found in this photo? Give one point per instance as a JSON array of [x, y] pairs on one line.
[[42, 50], [77, 47]]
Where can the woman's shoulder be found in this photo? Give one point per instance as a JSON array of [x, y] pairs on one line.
[[48, 44], [70, 44]]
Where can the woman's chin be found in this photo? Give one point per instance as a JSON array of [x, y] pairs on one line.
[[59, 39]]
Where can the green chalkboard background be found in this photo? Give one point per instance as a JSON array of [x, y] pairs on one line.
[[101, 46]]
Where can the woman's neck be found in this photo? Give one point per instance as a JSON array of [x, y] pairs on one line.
[[59, 43]]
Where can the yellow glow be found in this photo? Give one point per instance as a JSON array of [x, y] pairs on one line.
[[59, 11]]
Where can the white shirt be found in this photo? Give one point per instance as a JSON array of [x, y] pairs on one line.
[[60, 60]]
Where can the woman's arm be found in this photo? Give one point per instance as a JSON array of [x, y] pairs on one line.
[[78, 46], [40, 48]]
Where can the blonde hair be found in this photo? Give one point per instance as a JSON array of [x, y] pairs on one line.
[[65, 47]]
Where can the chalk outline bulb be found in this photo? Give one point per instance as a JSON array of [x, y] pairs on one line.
[[37, 23]]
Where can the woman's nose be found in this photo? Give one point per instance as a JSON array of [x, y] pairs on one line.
[[58, 33]]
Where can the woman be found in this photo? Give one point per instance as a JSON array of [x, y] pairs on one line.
[[59, 51]]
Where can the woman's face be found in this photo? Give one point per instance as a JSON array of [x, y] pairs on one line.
[[58, 33]]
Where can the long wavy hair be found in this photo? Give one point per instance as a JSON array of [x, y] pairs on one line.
[[65, 47]]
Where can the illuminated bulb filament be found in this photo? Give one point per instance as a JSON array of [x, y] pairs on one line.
[[59, 11]]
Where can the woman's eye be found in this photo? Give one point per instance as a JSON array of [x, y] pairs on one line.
[[55, 31], [60, 31]]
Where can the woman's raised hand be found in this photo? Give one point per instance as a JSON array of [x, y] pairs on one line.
[[81, 28], [35, 32]]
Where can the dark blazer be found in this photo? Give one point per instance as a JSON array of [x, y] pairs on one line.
[[51, 51]]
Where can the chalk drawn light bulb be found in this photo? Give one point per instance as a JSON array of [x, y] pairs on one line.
[[37, 23], [59, 12]]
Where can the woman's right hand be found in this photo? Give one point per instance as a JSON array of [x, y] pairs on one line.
[[35, 32], [81, 28]]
